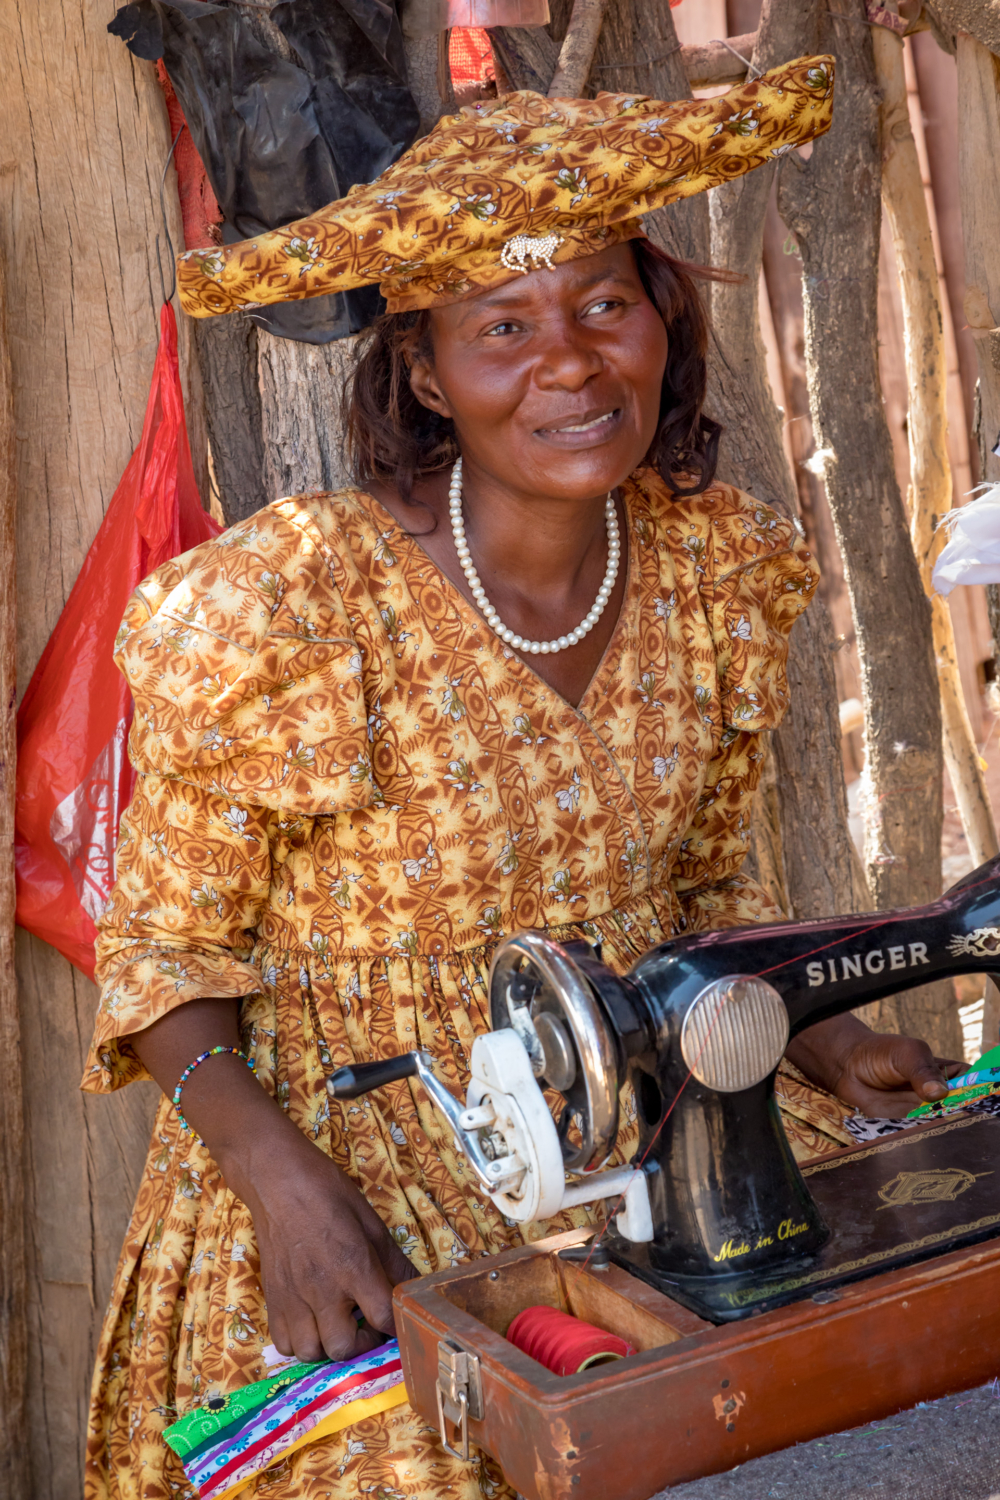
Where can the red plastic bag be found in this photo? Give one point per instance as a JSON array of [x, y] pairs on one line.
[[74, 779]]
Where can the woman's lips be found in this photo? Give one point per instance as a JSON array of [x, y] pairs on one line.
[[586, 431]]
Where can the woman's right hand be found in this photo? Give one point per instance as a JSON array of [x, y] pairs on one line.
[[324, 1251], [323, 1248]]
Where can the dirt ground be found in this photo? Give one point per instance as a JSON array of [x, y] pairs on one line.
[[940, 1450]]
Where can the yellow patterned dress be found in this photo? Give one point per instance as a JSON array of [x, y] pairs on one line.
[[349, 790]]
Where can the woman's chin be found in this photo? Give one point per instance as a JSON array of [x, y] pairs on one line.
[[579, 473]]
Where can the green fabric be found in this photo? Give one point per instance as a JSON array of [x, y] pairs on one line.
[[204, 1423], [958, 1099], [990, 1059]]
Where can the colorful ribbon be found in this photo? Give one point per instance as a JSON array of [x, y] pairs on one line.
[[225, 1442]]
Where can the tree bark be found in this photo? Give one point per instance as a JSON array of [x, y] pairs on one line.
[[227, 353], [527, 55], [577, 51], [818, 860], [980, 18], [15, 1467], [83, 140], [301, 425], [832, 204], [927, 424]]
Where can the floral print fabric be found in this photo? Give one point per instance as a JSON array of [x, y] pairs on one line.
[[577, 173], [349, 791]]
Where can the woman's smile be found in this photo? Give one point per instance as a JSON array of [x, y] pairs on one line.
[[586, 431]]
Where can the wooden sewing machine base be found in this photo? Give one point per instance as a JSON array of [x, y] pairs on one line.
[[699, 1398]]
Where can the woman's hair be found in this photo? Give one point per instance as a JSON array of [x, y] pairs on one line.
[[391, 436]]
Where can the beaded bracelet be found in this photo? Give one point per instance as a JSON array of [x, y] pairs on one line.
[[212, 1052]]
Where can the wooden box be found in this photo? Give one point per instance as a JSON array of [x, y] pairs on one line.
[[696, 1399]]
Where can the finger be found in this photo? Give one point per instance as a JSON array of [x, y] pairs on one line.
[[371, 1338], [277, 1326], [373, 1293], [884, 1104], [291, 1324], [908, 1060], [303, 1333], [950, 1067], [397, 1266], [928, 1080], [340, 1334]]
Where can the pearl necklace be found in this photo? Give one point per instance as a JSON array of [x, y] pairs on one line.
[[536, 648]]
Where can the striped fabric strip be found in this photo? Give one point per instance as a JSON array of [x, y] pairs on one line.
[[279, 1416], [222, 1449], [307, 1427], [305, 1388], [205, 1424], [354, 1411]]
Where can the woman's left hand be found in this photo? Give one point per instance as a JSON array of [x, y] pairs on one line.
[[884, 1076], [887, 1076]]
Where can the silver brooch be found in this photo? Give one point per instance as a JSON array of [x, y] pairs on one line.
[[517, 252]]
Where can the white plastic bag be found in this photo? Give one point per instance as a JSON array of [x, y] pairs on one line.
[[972, 553]]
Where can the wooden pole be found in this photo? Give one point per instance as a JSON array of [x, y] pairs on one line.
[[577, 51], [927, 423], [832, 205], [14, 1457], [710, 63], [821, 869], [83, 140], [978, 151], [528, 56]]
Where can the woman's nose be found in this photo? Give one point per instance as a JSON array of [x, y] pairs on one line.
[[569, 361]]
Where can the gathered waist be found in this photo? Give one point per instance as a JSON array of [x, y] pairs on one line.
[[642, 921]]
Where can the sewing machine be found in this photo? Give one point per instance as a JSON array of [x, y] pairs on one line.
[[716, 1223]]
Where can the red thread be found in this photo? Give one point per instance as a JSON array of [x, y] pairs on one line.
[[564, 1344]]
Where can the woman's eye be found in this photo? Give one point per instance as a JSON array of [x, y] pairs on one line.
[[501, 329], [605, 305]]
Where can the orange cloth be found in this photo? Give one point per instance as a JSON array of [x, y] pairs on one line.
[[470, 57]]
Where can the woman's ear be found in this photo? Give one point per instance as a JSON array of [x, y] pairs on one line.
[[423, 383]]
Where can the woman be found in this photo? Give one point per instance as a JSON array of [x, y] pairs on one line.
[[373, 737]]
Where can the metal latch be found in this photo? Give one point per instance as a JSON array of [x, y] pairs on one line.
[[459, 1395]]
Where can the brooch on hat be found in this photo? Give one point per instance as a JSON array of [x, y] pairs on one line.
[[517, 252]]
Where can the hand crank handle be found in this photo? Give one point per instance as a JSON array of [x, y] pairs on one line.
[[352, 1082]]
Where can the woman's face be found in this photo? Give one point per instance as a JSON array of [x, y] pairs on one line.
[[553, 380]]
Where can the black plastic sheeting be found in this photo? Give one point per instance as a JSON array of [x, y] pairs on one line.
[[279, 138]]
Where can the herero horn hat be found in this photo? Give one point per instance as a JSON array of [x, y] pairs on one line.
[[503, 188]]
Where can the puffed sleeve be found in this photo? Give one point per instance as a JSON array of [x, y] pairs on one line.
[[762, 577], [249, 715]]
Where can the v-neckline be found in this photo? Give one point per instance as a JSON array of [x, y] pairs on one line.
[[460, 603]]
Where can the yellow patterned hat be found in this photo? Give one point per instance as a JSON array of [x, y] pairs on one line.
[[503, 188]]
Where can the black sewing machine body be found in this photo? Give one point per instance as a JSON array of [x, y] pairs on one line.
[[698, 1026], [737, 1227]]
